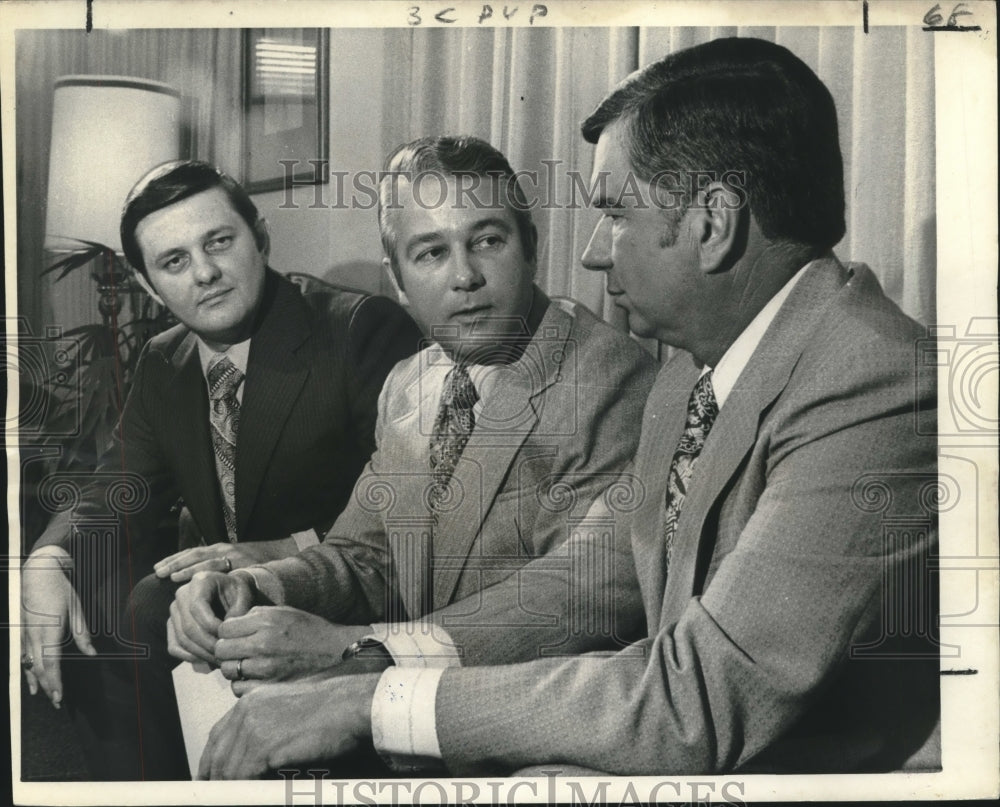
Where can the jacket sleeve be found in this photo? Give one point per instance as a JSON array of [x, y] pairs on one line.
[[132, 487]]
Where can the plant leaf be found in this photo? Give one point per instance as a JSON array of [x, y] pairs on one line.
[[95, 244], [84, 329], [73, 261]]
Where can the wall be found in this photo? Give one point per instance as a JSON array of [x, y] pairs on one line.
[[522, 89], [335, 241]]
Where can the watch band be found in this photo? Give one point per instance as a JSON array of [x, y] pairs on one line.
[[369, 649]]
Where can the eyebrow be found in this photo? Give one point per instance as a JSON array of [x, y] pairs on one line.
[[167, 253], [204, 237], [604, 203], [421, 239], [435, 236], [492, 221]]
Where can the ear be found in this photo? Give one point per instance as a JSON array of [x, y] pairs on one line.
[[263, 238], [396, 285], [144, 282], [533, 238], [718, 229]]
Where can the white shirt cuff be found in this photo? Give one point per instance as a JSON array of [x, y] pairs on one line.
[[305, 538], [417, 644], [404, 728]]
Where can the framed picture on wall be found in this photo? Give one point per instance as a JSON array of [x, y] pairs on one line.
[[286, 76]]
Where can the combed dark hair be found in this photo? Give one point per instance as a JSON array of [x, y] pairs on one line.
[[742, 105], [173, 182], [453, 155]]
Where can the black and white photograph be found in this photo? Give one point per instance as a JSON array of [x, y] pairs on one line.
[[475, 402]]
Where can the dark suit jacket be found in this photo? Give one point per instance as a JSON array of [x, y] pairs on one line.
[[790, 633], [316, 366], [556, 429]]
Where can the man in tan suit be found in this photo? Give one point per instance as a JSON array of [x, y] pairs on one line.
[[773, 445], [548, 419]]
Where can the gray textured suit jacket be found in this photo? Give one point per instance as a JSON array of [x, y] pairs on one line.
[[790, 633], [316, 366], [558, 426]]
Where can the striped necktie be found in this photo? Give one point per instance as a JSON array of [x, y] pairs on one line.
[[701, 413], [223, 380]]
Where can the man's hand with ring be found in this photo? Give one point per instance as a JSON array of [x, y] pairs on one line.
[[198, 609], [279, 642], [222, 557]]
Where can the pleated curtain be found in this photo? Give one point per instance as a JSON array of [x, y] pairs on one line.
[[525, 90]]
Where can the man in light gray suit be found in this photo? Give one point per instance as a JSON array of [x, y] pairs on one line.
[[774, 444]]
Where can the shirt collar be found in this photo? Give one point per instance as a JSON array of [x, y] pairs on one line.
[[440, 364], [727, 371], [484, 376], [239, 355]]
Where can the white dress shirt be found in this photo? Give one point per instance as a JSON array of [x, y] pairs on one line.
[[435, 364], [404, 705]]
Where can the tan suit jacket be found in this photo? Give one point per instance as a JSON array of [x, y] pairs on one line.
[[790, 631], [557, 428]]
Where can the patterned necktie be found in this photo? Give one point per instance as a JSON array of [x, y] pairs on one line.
[[452, 429], [701, 412], [223, 380]]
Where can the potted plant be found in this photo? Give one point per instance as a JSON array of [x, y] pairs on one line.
[[80, 396]]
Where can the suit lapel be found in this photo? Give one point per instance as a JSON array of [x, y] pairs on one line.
[[508, 416], [415, 427], [412, 401], [735, 431], [663, 423], [186, 401], [731, 438], [276, 371]]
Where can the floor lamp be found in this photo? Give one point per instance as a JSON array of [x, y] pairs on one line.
[[107, 131]]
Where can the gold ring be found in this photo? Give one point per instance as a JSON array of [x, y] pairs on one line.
[[239, 669], [229, 563], [27, 661]]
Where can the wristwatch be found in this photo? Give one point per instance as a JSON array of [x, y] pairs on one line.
[[369, 649]]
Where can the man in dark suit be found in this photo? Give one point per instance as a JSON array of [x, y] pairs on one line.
[[257, 410], [780, 464]]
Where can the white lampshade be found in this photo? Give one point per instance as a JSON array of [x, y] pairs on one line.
[[107, 131]]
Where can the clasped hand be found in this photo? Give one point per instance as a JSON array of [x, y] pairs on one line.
[[308, 720], [251, 643]]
